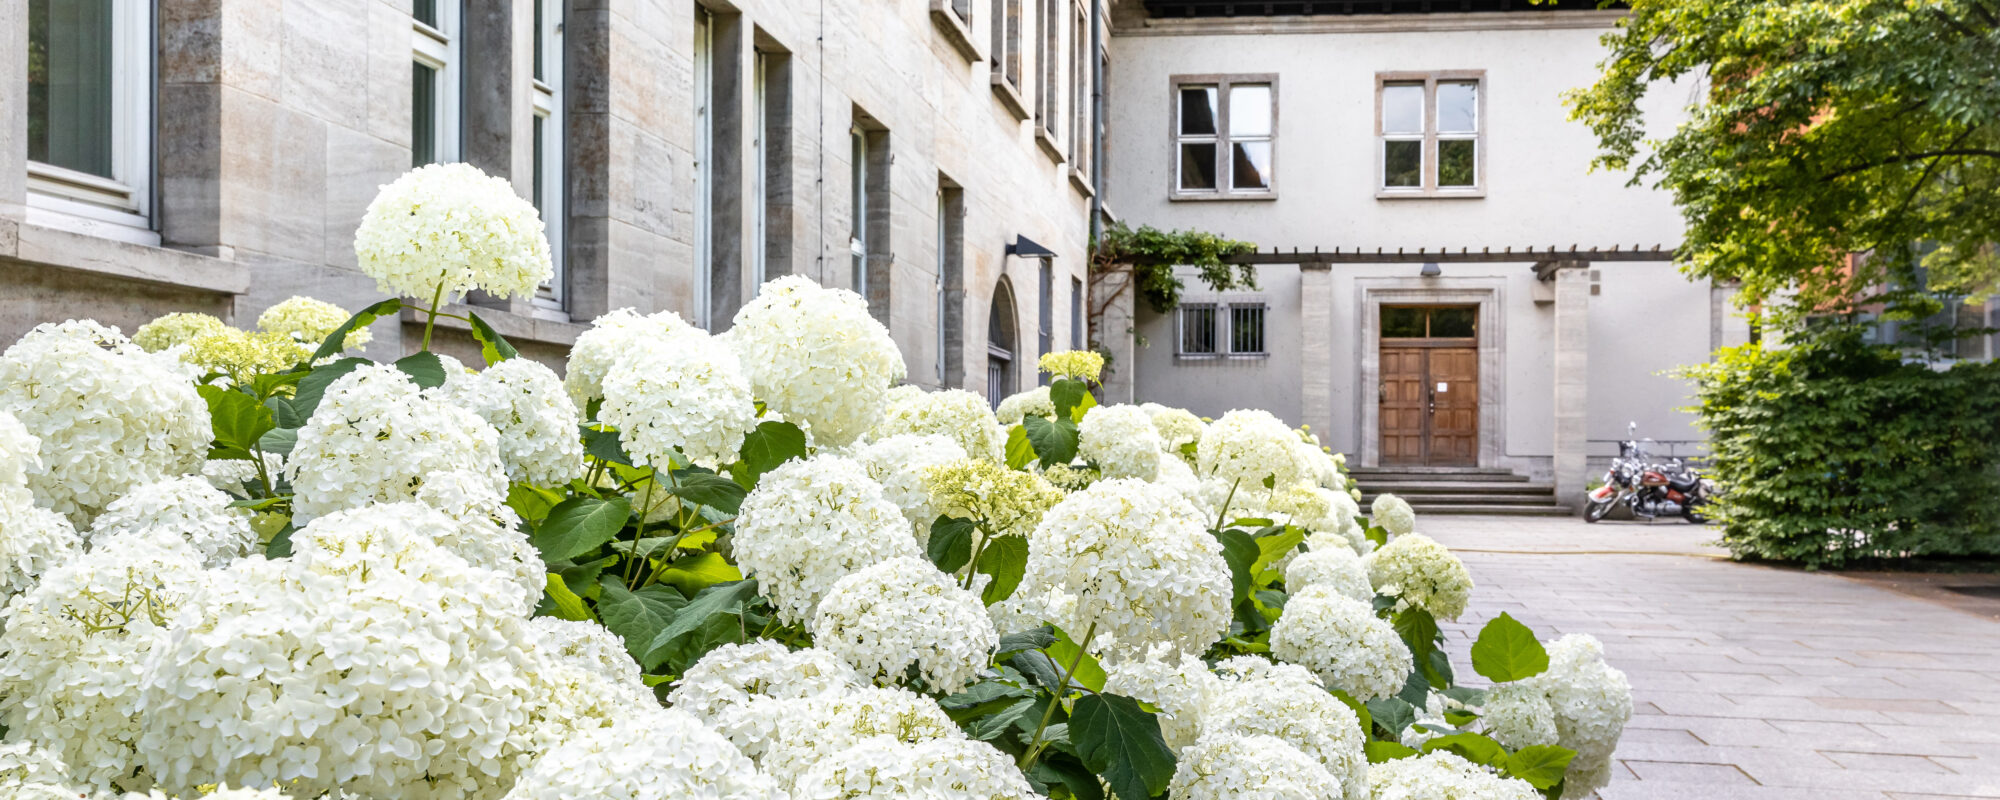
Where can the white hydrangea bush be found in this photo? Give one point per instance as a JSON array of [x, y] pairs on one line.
[[682, 565]]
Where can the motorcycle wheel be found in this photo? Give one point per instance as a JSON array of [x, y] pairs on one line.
[[1596, 510]]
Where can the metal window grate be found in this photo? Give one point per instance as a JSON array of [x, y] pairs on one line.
[[1246, 329], [1198, 335]]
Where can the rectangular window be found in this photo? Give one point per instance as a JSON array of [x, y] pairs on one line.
[[1005, 54], [1430, 133], [1246, 329], [548, 141], [950, 276], [89, 110], [760, 196], [1075, 314], [1225, 135], [1049, 94], [1047, 289], [1198, 323], [434, 82], [857, 229], [704, 167], [870, 229], [773, 166], [1079, 92]]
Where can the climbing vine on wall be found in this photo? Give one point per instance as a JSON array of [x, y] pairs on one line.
[[1141, 261]]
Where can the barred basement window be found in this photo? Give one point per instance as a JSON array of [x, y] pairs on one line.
[[1246, 329], [1198, 322]]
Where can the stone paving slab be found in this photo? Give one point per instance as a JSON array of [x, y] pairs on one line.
[[1748, 681]]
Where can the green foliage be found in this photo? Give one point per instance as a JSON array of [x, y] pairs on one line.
[[1054, 442], [492, 346], [580, 525], [1823, 128], [1831, 451], [1121, 741], [1507, 651], [337, 340]]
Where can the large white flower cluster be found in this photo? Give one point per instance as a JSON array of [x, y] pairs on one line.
[[310, 321], [1442, 776], [182, 508], [377, 438], [1392, 514], [1179, 684], [450, 228], [1340, 639], [1121, 441], [1031, 403], [739, 689], [682, 392], [181, 327], [526, 405], [1518, 715], [1249, 767], [823, 727], [110, 416], [815, 356], [1258, 697], [902, 614], [1177, 426], [810, 523], [611, 337], [1336, 567], [936, 769], [955, 413], [1419, 572], [1591, 701], [1247, 448], [1004, 501], [650, 754], [32, 539], [901, 464], [1138, 564]]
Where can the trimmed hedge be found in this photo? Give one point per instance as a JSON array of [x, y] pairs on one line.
[[1831, 451]]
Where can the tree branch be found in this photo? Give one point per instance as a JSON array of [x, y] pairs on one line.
[[1962, 152]]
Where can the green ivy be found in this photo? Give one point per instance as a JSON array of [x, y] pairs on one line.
[[1831, 451]]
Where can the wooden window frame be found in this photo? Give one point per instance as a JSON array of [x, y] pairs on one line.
[[1224, 141], [1430, 189]]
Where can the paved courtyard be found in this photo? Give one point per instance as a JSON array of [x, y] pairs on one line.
[[1750, 681]]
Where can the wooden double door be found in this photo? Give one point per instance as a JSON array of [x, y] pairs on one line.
[[1430, 402]]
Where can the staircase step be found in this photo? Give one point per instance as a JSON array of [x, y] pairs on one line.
[[1417, 501], [1504, 511], [1414, 488], [1455, 475]]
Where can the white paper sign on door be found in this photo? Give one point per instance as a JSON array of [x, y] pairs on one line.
[[1443, 387]]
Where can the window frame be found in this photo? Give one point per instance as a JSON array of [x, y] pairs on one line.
[[1006, 69], [704, 166], [857, 230], [1223, 138], [1430, 137], [75, 199], [1181, 330], [957, 26], [1263, 312], [1080, 150], [551, 154], [1222, 323], [439, 47]]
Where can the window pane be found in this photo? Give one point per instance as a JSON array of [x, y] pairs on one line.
[[426, 12], [1198, 329], [423, 115], [540, 32], [536, 192], [963, 8], [1251, 166], [69, 84], [1403, 108], [1198, 165], [1458, 107], [1246, 329], [1401, 322], [1456, 323], [1402, 164], [1198, 111], [1457, 162], [1250, 110]]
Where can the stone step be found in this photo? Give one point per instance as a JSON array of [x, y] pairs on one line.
[[1537, 499], [1499, 511], [1413, 475], [1415, 488]]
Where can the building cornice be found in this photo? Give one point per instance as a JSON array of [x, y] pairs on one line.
[[1387, 23]]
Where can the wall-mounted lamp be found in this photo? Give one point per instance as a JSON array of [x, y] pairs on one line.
[[1430, 270], [1028, 248]]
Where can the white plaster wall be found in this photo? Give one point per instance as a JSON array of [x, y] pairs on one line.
[[1210, 387]]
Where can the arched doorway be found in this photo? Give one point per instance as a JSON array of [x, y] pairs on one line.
[[1000, 379]]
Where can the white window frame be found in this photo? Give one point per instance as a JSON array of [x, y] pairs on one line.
[[119, 207], [857, 232], [1079, 83], [943, 263], [704, 168], [548, 112], [1223, 139], [439, 48], [1428, 184]]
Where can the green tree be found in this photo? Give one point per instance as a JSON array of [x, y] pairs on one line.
[[1823, 130]]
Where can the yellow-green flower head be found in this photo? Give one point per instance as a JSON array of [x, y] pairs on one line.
[[1007, 501], [1083, 365], [172, 329], [241, 354], [310, 321]]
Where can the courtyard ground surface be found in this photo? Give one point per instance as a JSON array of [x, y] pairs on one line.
[[1749, 681]]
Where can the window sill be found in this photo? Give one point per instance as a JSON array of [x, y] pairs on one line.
[[38, 243], [1009, 96], [1050, 147], [540, 325], [1431, 194], [1221, 357], [1209, 197], [956, 31], [1081, 182]]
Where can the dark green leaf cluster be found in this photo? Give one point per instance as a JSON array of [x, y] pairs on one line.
[[1150, 255]]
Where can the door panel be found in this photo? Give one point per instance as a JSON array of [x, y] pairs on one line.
[[1402, 418], [1454, 423]]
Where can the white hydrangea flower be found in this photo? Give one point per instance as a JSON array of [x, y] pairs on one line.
[[181, 327], [1031, 403], [310, 321], [30, 772], [384, 665], [653, 754], [233, 475], [815, 356], [1003, 501], [377, 438], [900, 463], [1179, 684], [1174, 473], [1518, 715], [1140, 564], [1442, 775], [1288, 702], [453, 228], [110, 415], [1248, 447], [1336, 567], [525, 403], [904, 613], [1177, 426], [1392, 514], [611, 337], [955, 413], [1082, 365], [75, 645], [1121, 441], [1431, 721], [939, 769], [1314, 508], [820, 727], [1592, 702], [185, 508], [1420, 572], [1340, 639], [20, 452], [686, 392], [580, 678], [737, 688], [478, 526], [1226, 766], [811, 522], [33, 540]]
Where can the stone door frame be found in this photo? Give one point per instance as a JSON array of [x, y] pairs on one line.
[[1485, 293]]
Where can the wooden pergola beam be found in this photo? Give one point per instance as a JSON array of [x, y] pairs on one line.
[[1460, 256]]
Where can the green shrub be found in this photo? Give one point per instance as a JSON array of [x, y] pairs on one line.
[[1832, 451]]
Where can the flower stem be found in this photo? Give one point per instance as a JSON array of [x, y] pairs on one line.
[[1224, 512], [972, 565], [1035, 744], [431, 316]]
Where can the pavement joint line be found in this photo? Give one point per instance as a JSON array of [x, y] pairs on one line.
[[1713, 556]]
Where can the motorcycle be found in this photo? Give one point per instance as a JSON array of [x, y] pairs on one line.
[[1650, 487]]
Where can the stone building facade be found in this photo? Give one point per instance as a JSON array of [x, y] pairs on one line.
[[217, 155]]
